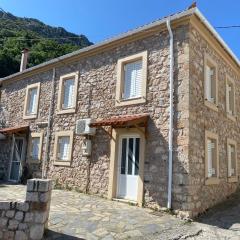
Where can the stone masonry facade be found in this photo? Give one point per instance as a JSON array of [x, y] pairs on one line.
[[27, 220], [96, 100]]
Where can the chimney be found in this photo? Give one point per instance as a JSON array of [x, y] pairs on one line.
[[24, 59]]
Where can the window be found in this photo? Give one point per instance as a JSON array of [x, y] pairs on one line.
[[68, 93], [232, 160], [230, 98], [35, 147], [131, 79], [31, 101], [63, 148], [210, 84], [211, 158], [130, 156]]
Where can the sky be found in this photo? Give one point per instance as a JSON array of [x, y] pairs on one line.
[[101, 19]]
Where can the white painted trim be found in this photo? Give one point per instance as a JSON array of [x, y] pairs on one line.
[[216, 35]]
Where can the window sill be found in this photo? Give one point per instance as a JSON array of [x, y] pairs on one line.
[[232, 179], [33, 116], [123, 102], [212, 181], [231, 117], [62, 163], [213, 106], [66, 111]]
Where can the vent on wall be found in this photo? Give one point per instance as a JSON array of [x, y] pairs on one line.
[[82, 127]]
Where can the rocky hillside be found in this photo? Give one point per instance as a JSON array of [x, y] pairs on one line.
[[45, 42]]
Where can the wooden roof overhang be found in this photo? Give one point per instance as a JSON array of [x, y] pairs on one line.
[[138, 121], [12, 130]]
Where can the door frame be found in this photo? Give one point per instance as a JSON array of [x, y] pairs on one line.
[[114, 160], [22, 157]]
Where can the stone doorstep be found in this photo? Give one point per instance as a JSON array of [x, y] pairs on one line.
[[122, 200]]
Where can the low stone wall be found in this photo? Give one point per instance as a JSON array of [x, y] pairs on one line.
[[28, 219]]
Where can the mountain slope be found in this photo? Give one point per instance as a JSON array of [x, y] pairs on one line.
[[45, 42]]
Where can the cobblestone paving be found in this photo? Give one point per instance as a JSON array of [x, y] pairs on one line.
[[78, 216]]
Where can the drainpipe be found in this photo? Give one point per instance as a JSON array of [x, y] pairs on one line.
[[46, 156], [170, 134]]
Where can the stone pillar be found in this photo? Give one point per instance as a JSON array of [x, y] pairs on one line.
[[39, 197], [27, 220]]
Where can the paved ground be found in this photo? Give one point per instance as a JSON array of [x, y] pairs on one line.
[[78, 216]]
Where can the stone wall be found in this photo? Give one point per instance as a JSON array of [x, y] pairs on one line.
[[27, 220], [96, 99], [5, 153], [202, 118]]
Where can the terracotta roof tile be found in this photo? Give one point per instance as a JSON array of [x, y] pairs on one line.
[[14, 129], [122, 120]]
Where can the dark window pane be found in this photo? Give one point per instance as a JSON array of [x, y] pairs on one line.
[[137, 148], [130, 156], [123, 160]]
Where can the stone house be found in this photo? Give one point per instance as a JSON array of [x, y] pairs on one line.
[[150, 116]]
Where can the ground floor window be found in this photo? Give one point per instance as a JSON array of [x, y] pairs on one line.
[[211, 157], [35, 147], [63, 148], [232, 158]]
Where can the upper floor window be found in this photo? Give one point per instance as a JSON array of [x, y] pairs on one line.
[[31, 101], [63, 148], [131, 79], [211, 158], [210, 84], [230, 98], [68, 93], [232, 160], [35, 147]]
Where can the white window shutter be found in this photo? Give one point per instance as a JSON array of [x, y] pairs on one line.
[[210, 91], [128, 72], [138, 79], [229, 160], [64, 147], [132, 80], [32, 101], [209, 157], [68, 96], [208, 83], [35, 147]]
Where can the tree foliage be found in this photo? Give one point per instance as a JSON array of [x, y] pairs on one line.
[[45, 42]]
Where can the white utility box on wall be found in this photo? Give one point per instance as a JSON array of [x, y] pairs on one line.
[[86, 147]]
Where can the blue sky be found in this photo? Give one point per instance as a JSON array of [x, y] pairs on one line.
[[101, 19]]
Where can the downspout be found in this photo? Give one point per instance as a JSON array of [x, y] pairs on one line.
[[170, 134], [46, 156]]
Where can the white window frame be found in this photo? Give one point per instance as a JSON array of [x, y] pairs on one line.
[[231, 178], [57, 161], [209, 62], [25, 114], [232, 116], [211, 180], [35, 135], [120, 101], [61, 110]]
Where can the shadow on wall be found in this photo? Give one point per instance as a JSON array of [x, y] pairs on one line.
[[156, 157], [49, 235], [225, 215]]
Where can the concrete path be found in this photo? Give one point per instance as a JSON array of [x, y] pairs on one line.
[[78, 216]]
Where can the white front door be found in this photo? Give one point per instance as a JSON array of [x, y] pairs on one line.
[[18, 154], [128, 167]]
